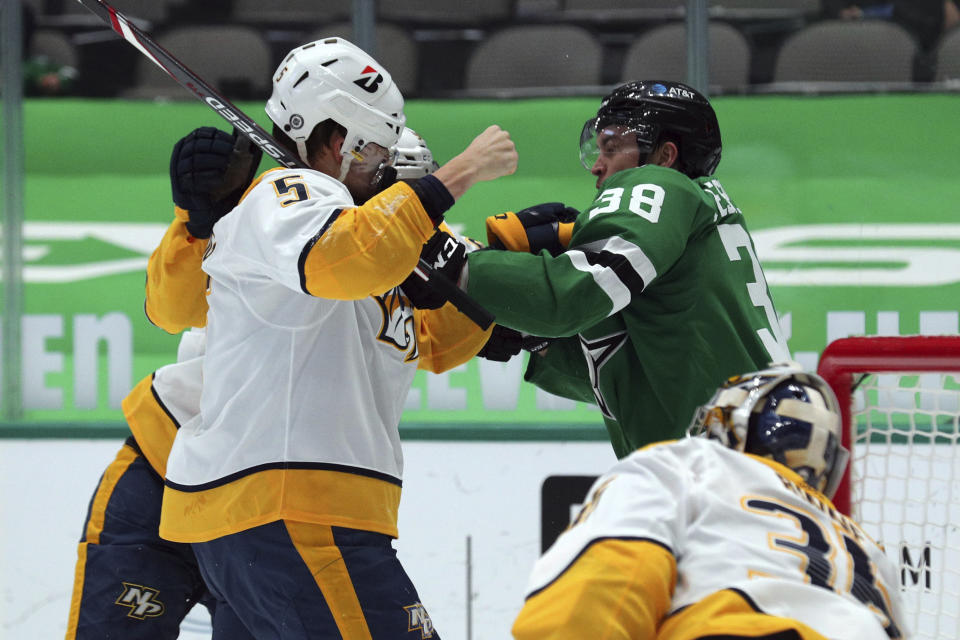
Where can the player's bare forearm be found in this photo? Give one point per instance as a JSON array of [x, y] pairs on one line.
[[490, 155], [457, 176]]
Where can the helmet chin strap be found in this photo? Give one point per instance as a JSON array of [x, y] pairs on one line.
[[344, 167], [344, 163], [348, 158], [302, 150]]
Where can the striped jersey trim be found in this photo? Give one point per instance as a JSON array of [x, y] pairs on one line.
[[743, 595], [303, 495], [305, 466], [163, 407], [620, 268], [746, 598], [301, 263], [589, 545]]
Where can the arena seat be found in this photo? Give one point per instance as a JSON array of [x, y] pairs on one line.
[[662, 53], [535, 56], [464, 13], [847, 51], [310, 12], [211, 52], [948, 56], [54, 45], [395, 48]]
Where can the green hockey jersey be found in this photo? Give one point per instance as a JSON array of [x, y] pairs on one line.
[[657, 300]]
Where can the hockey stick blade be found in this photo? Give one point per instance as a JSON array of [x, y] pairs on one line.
[[257, 134]]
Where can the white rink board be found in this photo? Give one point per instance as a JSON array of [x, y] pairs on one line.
[[489, 491]]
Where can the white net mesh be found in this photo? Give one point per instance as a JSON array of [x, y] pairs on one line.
[[905, 489]]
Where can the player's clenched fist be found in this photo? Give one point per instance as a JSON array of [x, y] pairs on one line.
[[490, 155], [493, 153]]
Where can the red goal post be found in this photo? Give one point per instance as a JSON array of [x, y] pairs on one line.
[[900, 404], [846, 358]]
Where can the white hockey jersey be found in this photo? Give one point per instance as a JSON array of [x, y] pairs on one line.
[[166, 399], [689, 539], [311, 351], [175, 299]]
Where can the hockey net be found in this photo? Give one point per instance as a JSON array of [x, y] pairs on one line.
[[900, 401]]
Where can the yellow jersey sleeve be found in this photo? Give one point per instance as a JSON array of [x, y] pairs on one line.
[[446, 338], [368, 249], [151, 424], [616, 589], [176, 284]]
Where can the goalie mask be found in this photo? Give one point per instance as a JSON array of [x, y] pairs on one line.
[[336, 80], [649, 112], [413, 158], [783, 414]]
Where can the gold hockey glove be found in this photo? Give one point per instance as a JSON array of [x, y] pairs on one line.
[[541, 227]]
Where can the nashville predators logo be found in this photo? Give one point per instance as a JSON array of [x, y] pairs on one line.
[[397, 327], [419, 619], [142, 601]]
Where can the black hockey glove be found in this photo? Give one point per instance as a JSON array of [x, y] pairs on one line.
[[447, 256], [504, 343], [209, 171], [531, 230]]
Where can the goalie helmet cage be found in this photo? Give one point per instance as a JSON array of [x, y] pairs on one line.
[[900, 403]]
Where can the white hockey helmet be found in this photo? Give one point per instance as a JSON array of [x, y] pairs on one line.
[[334, 79], [782, 413], [413, 158]]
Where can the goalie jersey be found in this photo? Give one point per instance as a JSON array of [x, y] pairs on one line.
[[689, 539], [311, 351], [659, 295]]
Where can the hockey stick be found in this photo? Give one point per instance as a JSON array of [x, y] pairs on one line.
[[259, 136]]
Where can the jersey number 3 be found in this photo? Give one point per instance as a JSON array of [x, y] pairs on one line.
[[734, 237], [815, 547]]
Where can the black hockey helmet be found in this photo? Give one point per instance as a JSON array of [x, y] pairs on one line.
[[654, 108]]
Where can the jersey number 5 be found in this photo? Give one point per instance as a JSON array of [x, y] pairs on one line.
[[292, 186]]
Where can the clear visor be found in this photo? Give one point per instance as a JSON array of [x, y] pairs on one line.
[[608, 140]]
